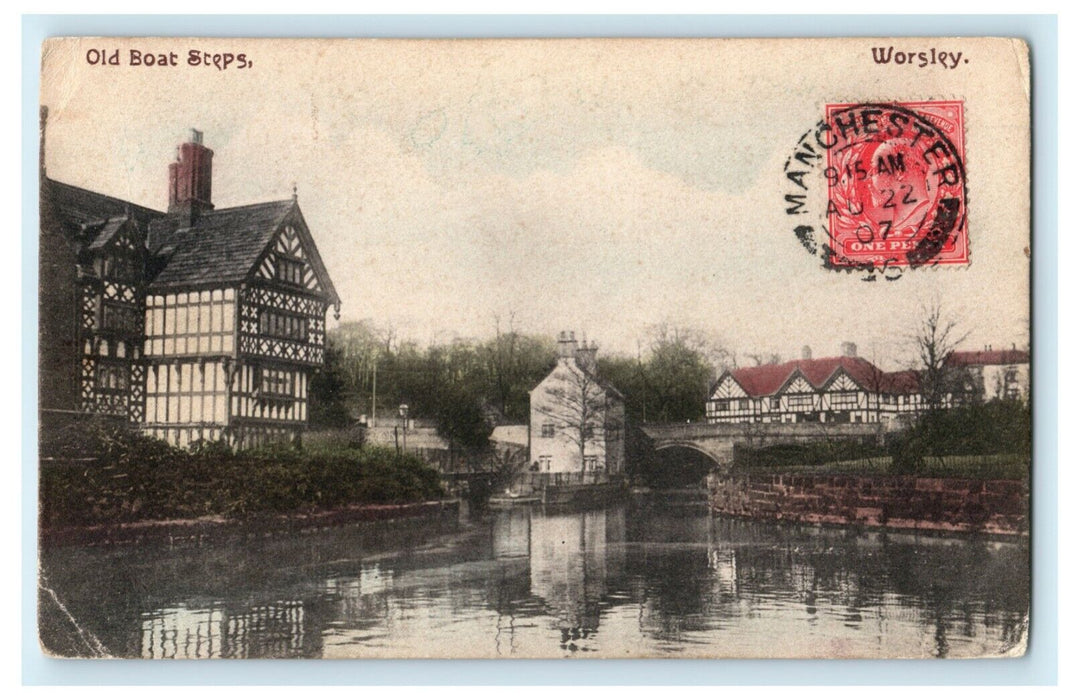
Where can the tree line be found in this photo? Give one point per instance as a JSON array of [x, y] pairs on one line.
[[467, 386]]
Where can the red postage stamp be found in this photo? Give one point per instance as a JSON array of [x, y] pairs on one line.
[[896, 184]]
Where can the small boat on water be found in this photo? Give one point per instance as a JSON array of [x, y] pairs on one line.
[[511, 498]]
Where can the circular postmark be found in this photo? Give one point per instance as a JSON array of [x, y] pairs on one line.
[[881, 187]]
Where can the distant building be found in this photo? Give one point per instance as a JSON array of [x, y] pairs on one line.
[[577, 420], [849, 389], [996, 374], [841, 389], [193, 324], [508, 437]]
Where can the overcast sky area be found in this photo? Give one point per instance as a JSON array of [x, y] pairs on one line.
[[594, 187]]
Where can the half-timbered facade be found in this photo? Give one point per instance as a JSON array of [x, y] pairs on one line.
[[195, 324], [843, 389], [91, 306]]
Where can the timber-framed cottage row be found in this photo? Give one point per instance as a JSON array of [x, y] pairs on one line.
[[192, 324]]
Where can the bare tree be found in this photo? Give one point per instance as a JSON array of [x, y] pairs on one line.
[[759, 359], [680, 368], [577, 404], [502, 360], [935, 340]]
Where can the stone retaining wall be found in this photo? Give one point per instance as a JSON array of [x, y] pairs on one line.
[[903, 502]]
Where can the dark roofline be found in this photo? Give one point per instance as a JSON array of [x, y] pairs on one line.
[[145, 211]]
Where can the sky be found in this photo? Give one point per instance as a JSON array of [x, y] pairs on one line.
[[599, 187]]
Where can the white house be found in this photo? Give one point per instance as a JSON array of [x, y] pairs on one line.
[[996, 374], [577, 420]]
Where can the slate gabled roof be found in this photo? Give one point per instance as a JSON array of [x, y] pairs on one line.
[[593, 376], [90, 219], [609, 388], [769, 379], [78, 206], [108, 231], [221, 247]]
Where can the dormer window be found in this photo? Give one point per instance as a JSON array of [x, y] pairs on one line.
[[116, 265], [289, 270]]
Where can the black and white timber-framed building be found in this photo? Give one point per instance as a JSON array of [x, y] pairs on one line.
[[193, 324]]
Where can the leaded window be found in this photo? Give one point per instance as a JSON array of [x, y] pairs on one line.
[[289, 270], [277, 382], [283, 325]]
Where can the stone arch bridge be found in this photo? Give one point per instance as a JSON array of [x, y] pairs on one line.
[[717, 441]]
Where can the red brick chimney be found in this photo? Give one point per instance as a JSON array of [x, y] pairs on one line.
[[190, 180]]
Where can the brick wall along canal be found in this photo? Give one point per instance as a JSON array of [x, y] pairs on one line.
[[637, 579]]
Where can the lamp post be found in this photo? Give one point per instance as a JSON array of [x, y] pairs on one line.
[[403, 412]]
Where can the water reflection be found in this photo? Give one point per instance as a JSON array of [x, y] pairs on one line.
[[631, 580], [263, 631]]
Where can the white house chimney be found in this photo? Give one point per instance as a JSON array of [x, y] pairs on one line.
[[805, 352], [567, 345], [586, 355], [848, 349]]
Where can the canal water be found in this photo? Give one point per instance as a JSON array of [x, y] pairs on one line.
[[637, 579]]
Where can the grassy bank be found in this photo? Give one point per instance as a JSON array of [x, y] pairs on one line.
[[978, 441], [1000, 466], [95, 474]]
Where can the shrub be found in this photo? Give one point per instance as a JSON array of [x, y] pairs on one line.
[[112, 475]]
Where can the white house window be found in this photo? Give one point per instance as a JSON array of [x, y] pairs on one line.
[[545, 463], [547, 430], [591, 464]]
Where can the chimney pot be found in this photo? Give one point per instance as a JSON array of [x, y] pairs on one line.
[[567, 344], [805, 352], [848, 349]]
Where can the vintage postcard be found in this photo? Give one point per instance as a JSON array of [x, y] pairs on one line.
[[535, 348]]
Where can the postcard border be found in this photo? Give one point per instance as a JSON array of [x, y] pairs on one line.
[[1037, 667]]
